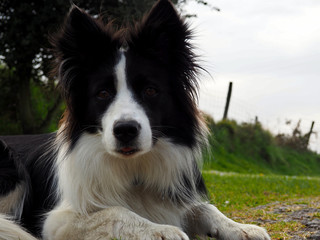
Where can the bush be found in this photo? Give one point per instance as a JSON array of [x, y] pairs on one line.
[[249, 148]]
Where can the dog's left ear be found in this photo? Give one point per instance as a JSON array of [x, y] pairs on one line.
[[162, 34]]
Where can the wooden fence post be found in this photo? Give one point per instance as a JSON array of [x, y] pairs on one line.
[[226, 108], [309, 134]]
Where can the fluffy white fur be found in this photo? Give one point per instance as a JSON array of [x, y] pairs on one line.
[[94, 184], [11, 231], [110, 223], [12, 204], [120, 223], [91, 179]]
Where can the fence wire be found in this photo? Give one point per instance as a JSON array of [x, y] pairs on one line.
[[213, 103]]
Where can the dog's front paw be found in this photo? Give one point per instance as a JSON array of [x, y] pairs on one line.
[[164, 232], [239, 231], [253, 232]]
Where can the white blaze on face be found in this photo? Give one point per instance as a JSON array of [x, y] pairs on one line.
[[125, 108]]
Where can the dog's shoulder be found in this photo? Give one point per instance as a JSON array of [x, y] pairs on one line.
[[27, 177], [9, 169]]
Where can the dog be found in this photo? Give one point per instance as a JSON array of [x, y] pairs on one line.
[[125, 161]]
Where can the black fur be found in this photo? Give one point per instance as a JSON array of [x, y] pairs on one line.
[[82, 48], [10, 175], [161, 42], [31, 162]]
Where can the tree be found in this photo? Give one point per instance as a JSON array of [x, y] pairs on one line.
[[25, 26]]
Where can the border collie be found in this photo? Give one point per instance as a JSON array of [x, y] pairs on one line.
[[124, 162]]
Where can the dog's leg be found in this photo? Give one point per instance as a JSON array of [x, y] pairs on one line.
[[111, 223], [207, 221]]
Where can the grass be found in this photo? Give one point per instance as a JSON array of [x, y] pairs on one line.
[[241, 190], [259, 169], [248, 148], [238, 195]]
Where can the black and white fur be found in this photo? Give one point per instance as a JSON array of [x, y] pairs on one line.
[[124, 162]]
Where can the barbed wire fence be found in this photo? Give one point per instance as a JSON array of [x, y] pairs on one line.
[[214, 103]]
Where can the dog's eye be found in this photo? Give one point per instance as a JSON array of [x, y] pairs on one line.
[[150, 92], [103, 95]]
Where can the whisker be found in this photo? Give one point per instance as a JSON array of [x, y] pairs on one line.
[[163, 126], [158, 134]]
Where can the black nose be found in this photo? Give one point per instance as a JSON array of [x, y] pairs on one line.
[[125, 131]]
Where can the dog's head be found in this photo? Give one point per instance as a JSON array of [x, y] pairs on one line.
[[129, 89]]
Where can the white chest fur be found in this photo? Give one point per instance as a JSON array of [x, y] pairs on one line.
[[90, 179]]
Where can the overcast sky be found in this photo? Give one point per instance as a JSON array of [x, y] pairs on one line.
[[270, 50]]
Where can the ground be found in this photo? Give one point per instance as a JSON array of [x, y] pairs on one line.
[[294, 219], [287, 206]]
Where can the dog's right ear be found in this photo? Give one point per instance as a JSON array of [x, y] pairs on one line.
[[82, 36], [82, 41]]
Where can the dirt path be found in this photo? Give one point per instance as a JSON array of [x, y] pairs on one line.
[[300, 219]]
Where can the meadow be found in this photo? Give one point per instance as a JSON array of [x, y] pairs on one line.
[[255, 177], [249, 148], [250, 198]]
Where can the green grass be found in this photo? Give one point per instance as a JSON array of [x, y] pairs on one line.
[[248, 148], [237, 195], [246, 167], [239, 191]]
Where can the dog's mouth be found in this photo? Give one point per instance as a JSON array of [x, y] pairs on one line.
[[128, 151]]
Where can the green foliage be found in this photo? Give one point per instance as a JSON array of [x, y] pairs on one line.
[[9, 123], [248, 148], [42, 100]]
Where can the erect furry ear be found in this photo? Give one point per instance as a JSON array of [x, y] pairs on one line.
[[164, 36], [161, 32], [83, 36], [82, 42]]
